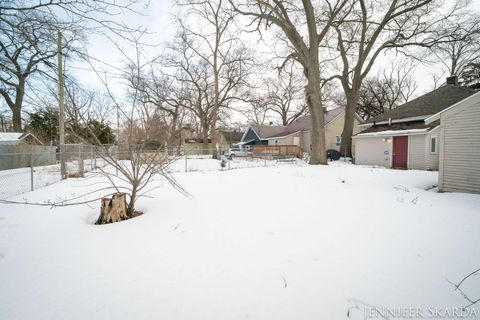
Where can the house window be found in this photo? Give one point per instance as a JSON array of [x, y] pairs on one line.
[[338, 140], [433, 144]]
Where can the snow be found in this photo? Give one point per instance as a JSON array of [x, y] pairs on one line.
[[10, 137], [279, 242], [392, 132], [17, 181]]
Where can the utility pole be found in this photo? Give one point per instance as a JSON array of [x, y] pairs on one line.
[[61, 99], [118, 136]]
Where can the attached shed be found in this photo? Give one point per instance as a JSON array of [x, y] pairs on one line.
[[409, 146], [400, 138], [459, 161]]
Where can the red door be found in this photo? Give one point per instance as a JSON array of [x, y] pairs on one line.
[[400, 152]]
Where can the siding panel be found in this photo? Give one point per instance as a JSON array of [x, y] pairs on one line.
[[461, 154], [371, 151], [416, 152]]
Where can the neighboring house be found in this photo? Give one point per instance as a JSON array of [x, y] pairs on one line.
[[227, 138], [257, 135], [400, 138], [459, 145], [298, 132], [16, 138]]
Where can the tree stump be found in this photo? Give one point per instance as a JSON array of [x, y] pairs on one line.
[[114, 209]]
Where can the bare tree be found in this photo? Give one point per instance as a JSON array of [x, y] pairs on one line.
[[372, 27], [26, 42], [391, 87], [201, 88], [27, 38], [211, 37], [96, 16], [5, 121], [138, 161], [161, 99], [257, 108], [304, 26], [285, 95], [463, 45]]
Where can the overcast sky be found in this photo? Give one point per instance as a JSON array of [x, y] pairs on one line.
[[158, 18]]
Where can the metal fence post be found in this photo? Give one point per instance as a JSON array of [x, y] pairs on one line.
[[91, 158], [31, 171], [80, 159], [63, 169], [186, 163]]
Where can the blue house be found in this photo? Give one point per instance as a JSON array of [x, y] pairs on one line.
[[257, 135]]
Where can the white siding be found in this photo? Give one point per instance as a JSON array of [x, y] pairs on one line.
[[288, 140], [431, 159], [461, 150], [305, 141], [416, 152], [371, 151]]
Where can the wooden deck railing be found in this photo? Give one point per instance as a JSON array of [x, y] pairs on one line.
[[278, 151]]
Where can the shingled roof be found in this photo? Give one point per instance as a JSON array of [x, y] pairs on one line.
[[264, 131], [232, 136], [426, 105], [303, 123]]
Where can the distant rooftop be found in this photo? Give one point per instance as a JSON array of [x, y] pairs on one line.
[[303, 123]]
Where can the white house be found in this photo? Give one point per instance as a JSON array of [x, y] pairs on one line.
[[400, 138], [459, 152]]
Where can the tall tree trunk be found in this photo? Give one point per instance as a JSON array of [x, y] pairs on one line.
[[17, 118], [16, 107], [346, 143], [314, 102]]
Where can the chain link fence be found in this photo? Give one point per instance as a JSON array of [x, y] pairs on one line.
[[30, 169], [200, 159]]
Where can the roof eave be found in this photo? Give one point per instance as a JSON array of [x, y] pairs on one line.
[[436, 116]]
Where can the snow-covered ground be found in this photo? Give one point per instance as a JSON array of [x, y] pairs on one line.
[[17, 181], [282, 242], [20, 180]]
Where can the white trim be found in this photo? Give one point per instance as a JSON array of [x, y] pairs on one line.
[[437, 115], [410, 119], [244, 142], [408, 152], [393, 133]]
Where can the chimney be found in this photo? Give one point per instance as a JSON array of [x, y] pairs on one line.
[[452, 80]]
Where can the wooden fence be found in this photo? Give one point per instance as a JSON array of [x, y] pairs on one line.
[[277, 152]]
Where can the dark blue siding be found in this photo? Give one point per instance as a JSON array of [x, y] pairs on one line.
[[251, 135]]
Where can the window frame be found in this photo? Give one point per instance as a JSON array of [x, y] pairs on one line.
[[436, 144]]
